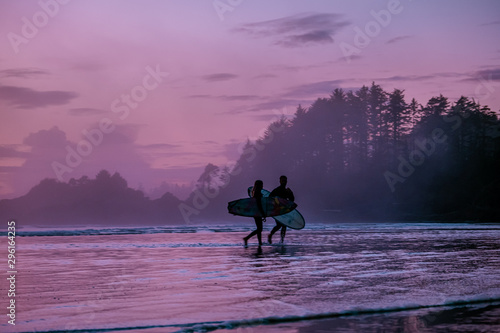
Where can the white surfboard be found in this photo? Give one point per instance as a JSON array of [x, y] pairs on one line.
[[293, 220]]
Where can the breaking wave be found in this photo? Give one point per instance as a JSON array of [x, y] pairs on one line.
[[209, 228]]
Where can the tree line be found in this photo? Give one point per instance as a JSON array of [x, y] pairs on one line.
[[370, 154]]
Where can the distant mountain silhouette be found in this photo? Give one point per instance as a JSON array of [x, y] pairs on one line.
[[104, 200]]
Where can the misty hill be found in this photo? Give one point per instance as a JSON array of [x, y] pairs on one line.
[[104, 200], [370, 155]]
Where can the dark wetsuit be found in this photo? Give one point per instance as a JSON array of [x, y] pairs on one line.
[[282, 192], [285, 193], [258, 220]]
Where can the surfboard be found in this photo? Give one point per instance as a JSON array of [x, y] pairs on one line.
[[293, 220], [270, 206]]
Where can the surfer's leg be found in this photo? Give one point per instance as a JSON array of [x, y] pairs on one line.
[[273, 231], [250, 235], [283, 233], [259, 230]]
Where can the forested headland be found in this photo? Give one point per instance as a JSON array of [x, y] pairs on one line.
[[373, 155], [104, 200]]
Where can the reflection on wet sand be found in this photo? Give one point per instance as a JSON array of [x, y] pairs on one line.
[[176, 281]]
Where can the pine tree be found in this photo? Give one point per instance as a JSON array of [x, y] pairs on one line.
[[397, 117]]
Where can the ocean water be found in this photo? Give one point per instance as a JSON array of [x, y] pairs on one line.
[[371, 277]]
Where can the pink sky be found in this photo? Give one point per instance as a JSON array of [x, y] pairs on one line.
[[204, 76]]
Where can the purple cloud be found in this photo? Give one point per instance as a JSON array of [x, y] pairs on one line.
[[53, 138], [219, 77], [319, 37], [229, 97], [6, 151], [433, 76], [26, 98], [398, 39], [315, 89], [490, 23], [85, 112], [298, 30], [491, 74], [23, 73], [239, 97], [159, 146]]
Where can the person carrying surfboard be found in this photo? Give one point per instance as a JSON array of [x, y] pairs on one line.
[[257, 193], [282, 192]]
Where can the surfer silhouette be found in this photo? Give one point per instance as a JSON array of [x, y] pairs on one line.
[[282, 192], [257, 193]]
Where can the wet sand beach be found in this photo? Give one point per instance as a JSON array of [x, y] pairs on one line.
[[365, 277]]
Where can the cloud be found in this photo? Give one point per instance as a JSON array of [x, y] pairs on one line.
[[8, 169], [298, 68], [44, 146], [490, 23], [281, 105], [124, 134], [219, 77], [118, 151], [155, 146], [23, 73], [239, 97], [420, 77], [303, 94], [85, 112], [199, 96], [266, 76], [26, 98], [188, 156], [52, 138], [490, 74], [298, 30], [315, 89], [228, 97], [6, 151], [320, 37], [398, 39], [268, 117], [350, 58], [407, 78]]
